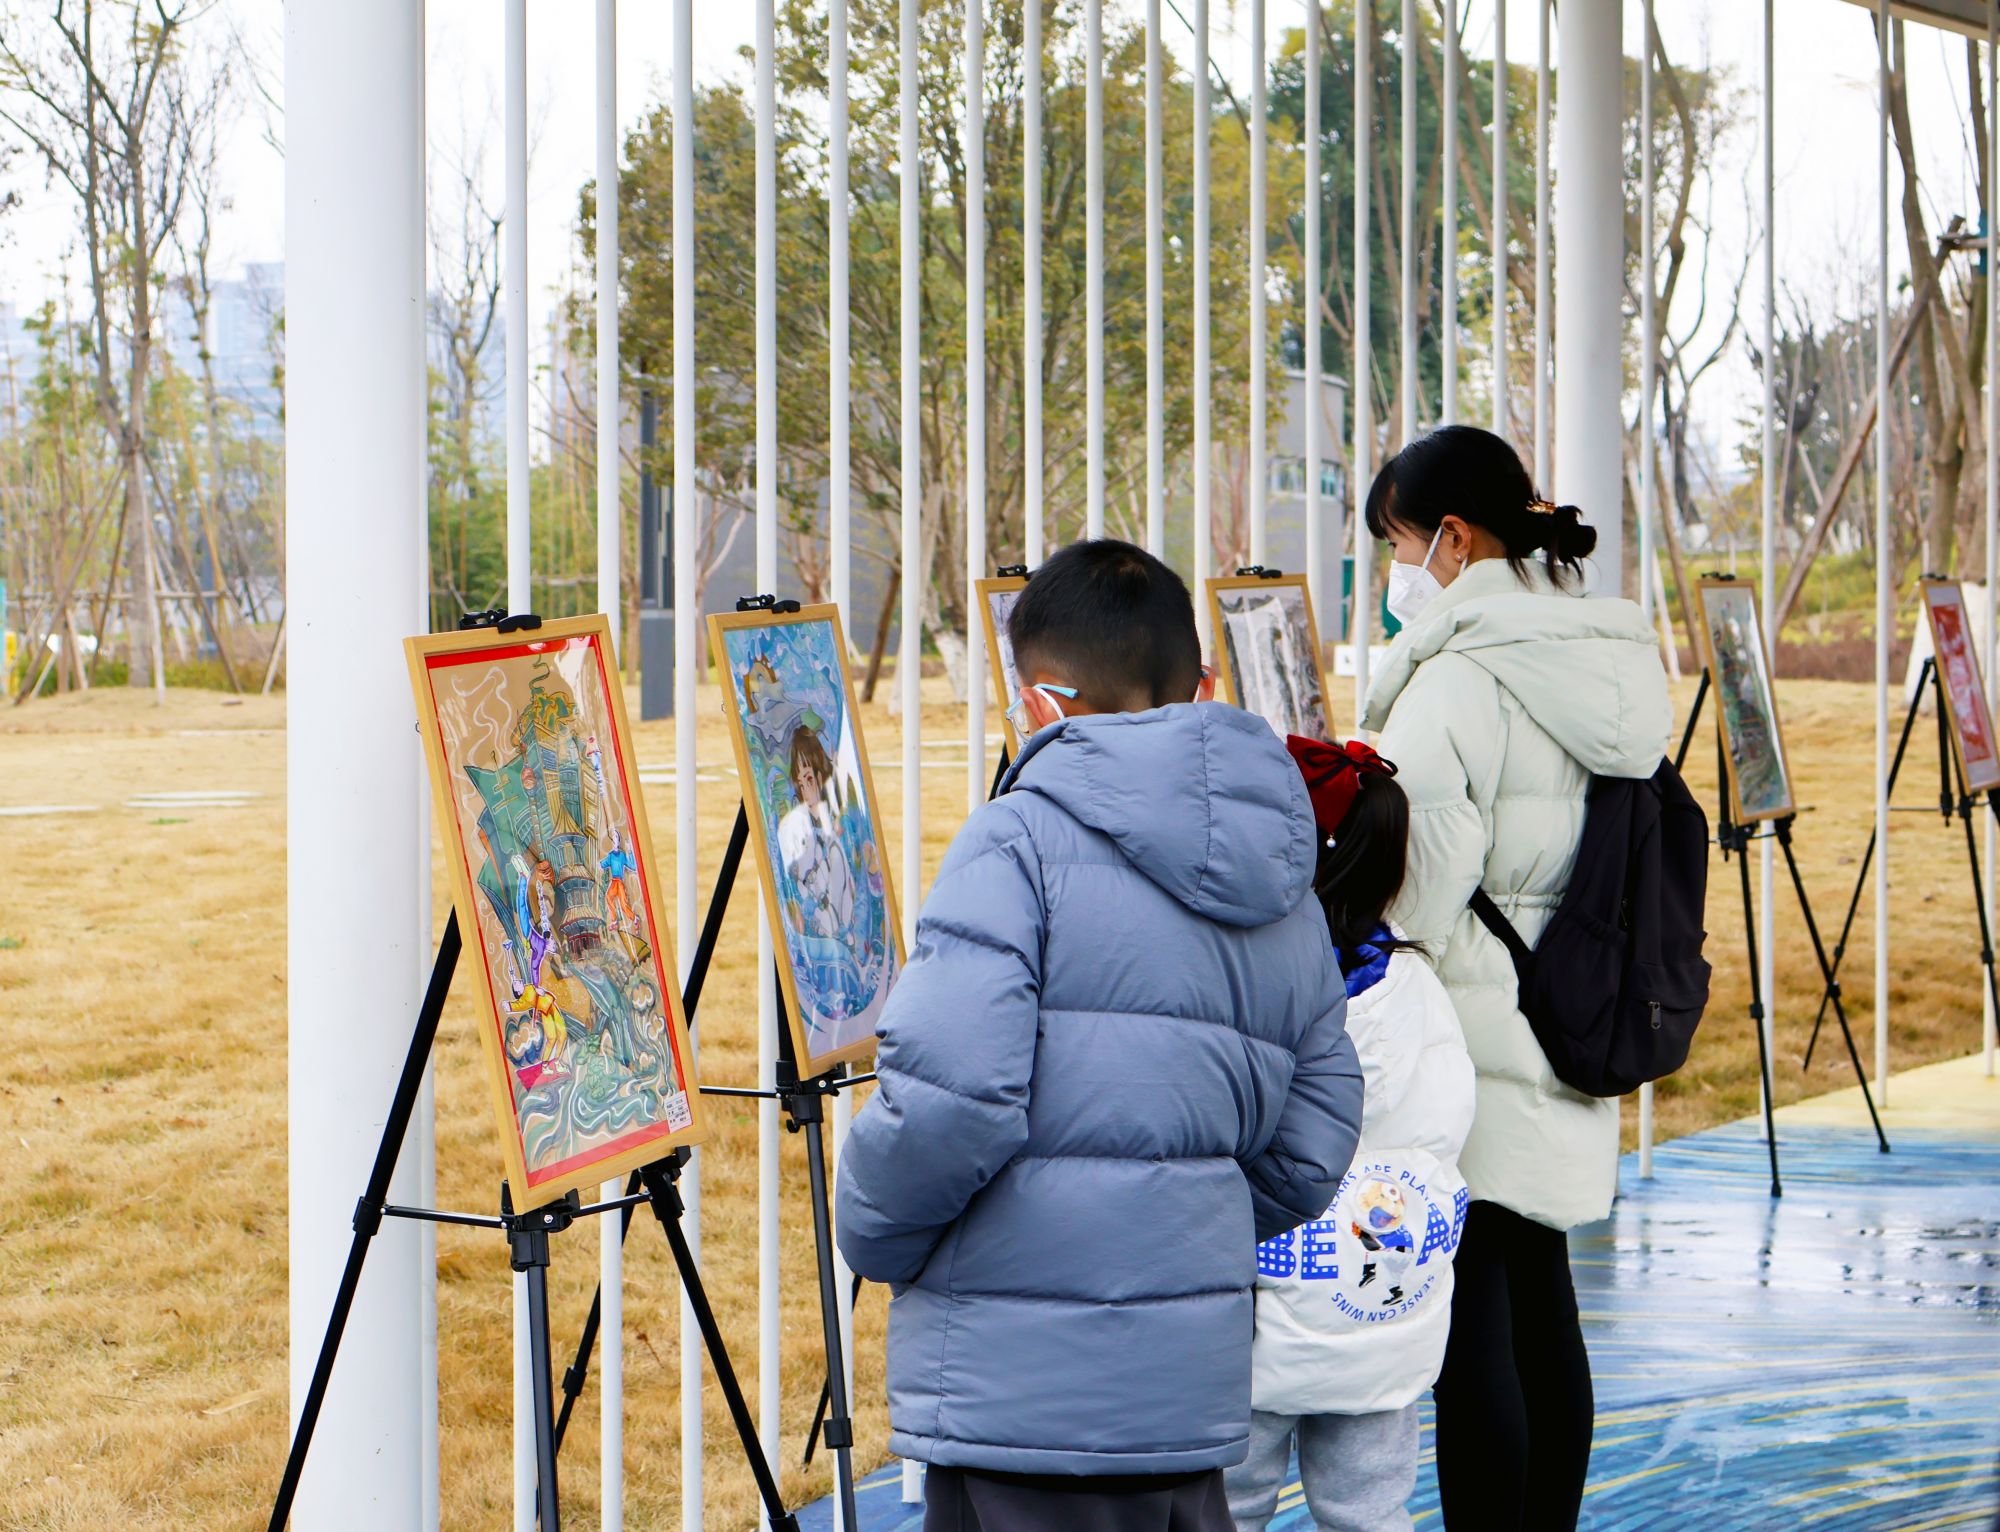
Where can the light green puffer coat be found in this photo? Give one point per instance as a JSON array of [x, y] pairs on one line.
[[1497, 705]]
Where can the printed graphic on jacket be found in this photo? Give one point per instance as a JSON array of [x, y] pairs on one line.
[[1377, 1249]]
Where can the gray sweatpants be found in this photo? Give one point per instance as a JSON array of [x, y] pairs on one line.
[[1359, 1471]]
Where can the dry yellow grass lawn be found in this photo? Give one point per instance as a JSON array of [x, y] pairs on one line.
[[142, 1244]]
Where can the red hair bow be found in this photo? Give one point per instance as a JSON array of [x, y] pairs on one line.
[[1333, 775]]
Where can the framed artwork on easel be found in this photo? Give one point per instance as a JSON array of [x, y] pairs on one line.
[[1965, 704], [1739, 667], [815, 829], [1268, 647], [996, 605], [580, 1021]]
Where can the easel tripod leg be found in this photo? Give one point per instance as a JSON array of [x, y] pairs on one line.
[[839, 1433], [368, 1213], [1757, 1017], [660, 1183], [547, 1501]]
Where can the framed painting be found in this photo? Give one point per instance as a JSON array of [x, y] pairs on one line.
[[579, 1010], [996, 605], [1753, 746], [1965, 704], [815, 830], [1268, 651]]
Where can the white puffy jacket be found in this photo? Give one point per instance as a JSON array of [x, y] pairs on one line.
[[1498, 704], [1351, 1323]]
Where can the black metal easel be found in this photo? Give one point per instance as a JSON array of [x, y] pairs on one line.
[[1737, 838], [655, 1185], [1953, 801]]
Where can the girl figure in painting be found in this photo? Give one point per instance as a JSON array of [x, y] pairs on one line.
[[809, 840], [536, 1029]]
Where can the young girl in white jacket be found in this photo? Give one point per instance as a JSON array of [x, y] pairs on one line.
[[1354, 1307]]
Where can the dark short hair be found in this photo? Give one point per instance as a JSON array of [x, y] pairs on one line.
[[1478, 477], [1114, 622]]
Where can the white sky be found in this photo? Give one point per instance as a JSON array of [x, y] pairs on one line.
[[1825, 132]]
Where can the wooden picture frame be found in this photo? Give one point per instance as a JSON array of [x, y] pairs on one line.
[[1275, 693], [586, 1050], [820, 861], [996, 599], [1746, 704], [1962, 684]]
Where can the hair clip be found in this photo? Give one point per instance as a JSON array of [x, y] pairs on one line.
[[1542, 507]]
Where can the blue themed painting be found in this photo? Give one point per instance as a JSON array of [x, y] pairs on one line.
[[548, 848], [815, 832]]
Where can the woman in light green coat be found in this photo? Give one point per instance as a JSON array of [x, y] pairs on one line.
[[1505, 693]]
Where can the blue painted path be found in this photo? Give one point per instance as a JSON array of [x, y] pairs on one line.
[[1830, 1361]]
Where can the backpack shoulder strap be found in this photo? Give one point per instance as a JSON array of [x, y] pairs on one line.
[[1481, 904]]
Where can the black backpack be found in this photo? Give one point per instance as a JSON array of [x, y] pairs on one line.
[[1617, 984]]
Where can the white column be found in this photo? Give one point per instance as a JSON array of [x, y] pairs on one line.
[[1501, 425], [1992, 469], [1361, 387], [1767, 962], [1408, 389], [1649, 366], [1315, 534], [1204, 447], [840, 530], [1544, 305], [1093, 261], [1259, 474], [1448, 152], [1885, 609], [769, 1257], [974, 138], [520, 556], [910, 651], [354, 223], [1031, 296], [1156, 384], [515, 277], [1589, 417], [610, 531], [687, 659]]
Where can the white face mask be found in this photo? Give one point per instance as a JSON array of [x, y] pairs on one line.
[[1412, 587]]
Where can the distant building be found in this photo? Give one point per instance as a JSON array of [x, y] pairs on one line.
[[245, 341]]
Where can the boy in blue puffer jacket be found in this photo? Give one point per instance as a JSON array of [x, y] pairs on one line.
[[1115, 1062]]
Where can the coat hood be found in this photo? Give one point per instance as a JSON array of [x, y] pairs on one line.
[[1586, 670], [1200, 797]]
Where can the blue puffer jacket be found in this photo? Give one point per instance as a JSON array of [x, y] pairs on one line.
[[1115, 1062]]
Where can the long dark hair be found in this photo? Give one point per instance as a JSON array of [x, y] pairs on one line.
[[1360, 874], [1478, 477]]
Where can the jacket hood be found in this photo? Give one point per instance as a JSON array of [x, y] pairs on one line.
[[1586, 669], [1200, 797]]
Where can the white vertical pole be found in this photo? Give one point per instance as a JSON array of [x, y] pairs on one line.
[[1204, 449], [1259, 338], [1315, 533], [910, 652], [975, 401], [769, 1202], [1543, 304], [1649, 363], [1156, 385], [424, 1123], [1031, 282], [1589, 417], [1768, 501], [686, 663], [519, 586], [610, 531], [520, 551], [1884, 594], [354, 222], [1361, 388], [1408, 407], [1992, 462], [1093, 260], [1501, 425], [1448, 152], [840, 529]]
